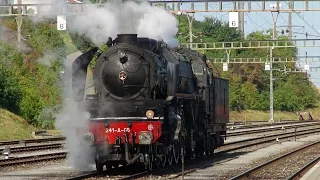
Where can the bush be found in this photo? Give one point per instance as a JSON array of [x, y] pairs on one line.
[[10, 92], [32, 79]]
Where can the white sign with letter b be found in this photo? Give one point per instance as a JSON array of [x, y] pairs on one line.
[[61, 22]]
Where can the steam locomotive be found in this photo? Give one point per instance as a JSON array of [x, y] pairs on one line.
[[149, 100]]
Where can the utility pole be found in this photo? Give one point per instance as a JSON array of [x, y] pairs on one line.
[[19, 21], [190, 21], [190, 29], [241, 16], [274, 18], [291, 4]]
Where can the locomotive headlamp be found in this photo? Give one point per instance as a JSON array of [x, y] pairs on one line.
[[145, 137], [150, 114], [122, 76], [89, 138], [123, 57]]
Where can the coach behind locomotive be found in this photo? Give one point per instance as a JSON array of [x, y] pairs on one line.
[[148, 99]]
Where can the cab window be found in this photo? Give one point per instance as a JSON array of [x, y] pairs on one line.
[[197, 69]]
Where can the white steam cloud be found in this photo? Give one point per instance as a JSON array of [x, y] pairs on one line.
[[71, 121], [124, 18], [47, 59], [9, 37]]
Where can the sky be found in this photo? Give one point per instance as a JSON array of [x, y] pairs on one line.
[[256, 21]]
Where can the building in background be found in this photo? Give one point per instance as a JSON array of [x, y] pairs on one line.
[[59, 6], [5, 2]]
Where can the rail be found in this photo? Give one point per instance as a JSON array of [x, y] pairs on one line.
[[309, 165], [26, 141], [255, 169], [34, 147], [32, 159], [269, 129]]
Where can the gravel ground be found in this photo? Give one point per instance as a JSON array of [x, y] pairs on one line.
[[44, 170], [235, 162], [284, 168]]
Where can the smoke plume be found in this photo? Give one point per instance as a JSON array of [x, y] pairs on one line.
[[9, 37], [99, 23], [72, 122], [47, 59]]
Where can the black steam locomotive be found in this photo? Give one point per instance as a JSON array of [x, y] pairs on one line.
[[148, 100]]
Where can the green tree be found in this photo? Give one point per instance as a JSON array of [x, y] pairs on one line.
[[10, 92], [249, 83], [81, 42], [36, 71]]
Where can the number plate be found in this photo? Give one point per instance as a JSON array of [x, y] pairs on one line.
[[118, 130]]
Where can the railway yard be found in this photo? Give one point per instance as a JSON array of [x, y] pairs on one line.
[[159, 90], [258, 151]]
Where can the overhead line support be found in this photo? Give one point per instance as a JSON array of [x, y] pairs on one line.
[[274, 19], [262, 60], [174, 7], [254, 44]]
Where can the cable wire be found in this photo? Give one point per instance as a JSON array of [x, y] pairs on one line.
[[303, 19]]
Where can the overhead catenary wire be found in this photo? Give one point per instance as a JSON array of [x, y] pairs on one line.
[[303, 19]]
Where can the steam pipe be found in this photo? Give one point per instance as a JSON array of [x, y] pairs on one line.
[[79, 73], [126, 153], [127, 38]]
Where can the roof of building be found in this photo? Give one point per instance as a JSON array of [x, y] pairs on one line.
[[74, 1]]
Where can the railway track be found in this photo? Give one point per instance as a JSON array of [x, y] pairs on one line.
[[32, 159], [35, 147], [301, 171], [268, 129], [29, 141], [268, 138], [248, 126], [228, 147], [285, 165], [232, 146], [259, 122]]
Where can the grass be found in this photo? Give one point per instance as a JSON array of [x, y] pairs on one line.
[[66, 37], [13, 127]]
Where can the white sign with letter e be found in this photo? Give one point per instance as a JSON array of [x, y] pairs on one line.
[[61, 22], [267, 66], [233, 19], [225, 66], [306, 67]]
